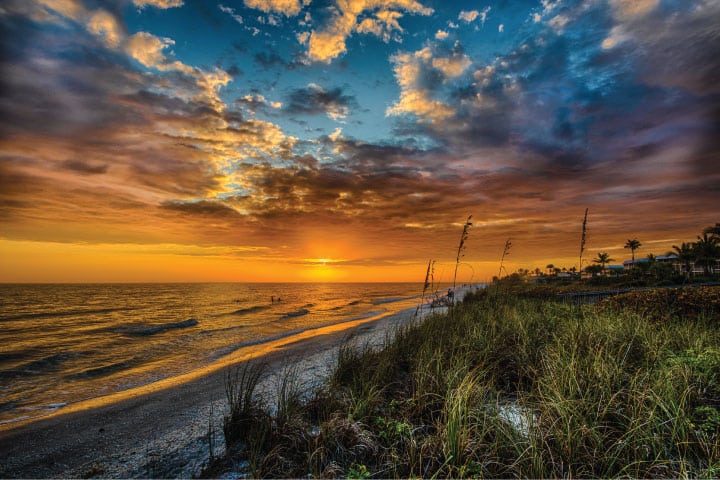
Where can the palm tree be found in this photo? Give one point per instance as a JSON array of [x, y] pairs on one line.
[[633, 244], [685, 255], [603, 258], [714, 231], [593, 269], [707, 251], [550, 268]]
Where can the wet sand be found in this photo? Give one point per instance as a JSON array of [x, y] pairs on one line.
[[162, 430]]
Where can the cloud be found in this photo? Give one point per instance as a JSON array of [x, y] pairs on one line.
[[73, 9], [441, 35], [623, 9], [104, 25], [231, 11], [99, 22], [484, 14], [329, 43], [558, 22], [616, 37], [164, 4], [676, 48], [418, 73], [144, 47], [85, 168], [336, 134], [468, 16], [257, 102], [204, 208], [149, 51], [289, 8], [383, 25], [314, 99], [269, 60], [452, 66]]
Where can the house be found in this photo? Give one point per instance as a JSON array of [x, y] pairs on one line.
[[673, 259], [614, 270], [669, 258]]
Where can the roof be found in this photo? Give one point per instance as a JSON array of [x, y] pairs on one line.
[[659, 258]]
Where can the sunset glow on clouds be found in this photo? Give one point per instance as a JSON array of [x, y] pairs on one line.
[[238, 140]]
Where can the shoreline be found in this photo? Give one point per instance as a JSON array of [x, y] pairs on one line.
[[248, 351], [165, 424]]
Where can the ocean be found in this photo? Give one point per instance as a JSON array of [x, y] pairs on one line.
[[65, 343]]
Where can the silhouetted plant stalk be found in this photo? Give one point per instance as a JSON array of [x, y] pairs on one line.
[[582, 240], [429, 274], [506, 252], [461, 247]]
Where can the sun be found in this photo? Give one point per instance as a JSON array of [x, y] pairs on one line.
[[323, 269]]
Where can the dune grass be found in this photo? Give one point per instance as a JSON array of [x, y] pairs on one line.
[[505, 387]]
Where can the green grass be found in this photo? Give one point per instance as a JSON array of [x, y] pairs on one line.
[[510, 387]]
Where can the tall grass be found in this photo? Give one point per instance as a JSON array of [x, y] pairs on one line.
[[521, 387], [461, 248]]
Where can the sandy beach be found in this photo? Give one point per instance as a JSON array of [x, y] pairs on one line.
[[162, 430]]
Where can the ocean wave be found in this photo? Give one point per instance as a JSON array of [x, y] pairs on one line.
[[104, 370], [146, 330], [380, 301], [36, 367], [223, 329], [65, 313], [7, 406], [297, 313], [254, 308], [6, 357], [16, 419]]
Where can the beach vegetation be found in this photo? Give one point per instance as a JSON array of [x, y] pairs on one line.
[[519, 385]]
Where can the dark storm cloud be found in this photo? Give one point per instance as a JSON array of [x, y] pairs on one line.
[[315, 100]]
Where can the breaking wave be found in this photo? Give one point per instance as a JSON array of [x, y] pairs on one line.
[[145, 330]]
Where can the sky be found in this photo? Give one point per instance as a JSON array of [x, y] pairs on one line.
[[349, 140]]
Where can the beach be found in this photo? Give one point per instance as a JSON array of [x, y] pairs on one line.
[[162, 430]]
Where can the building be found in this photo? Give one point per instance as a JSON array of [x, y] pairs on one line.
[[670, 258], [614, 270], [675, 262]]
